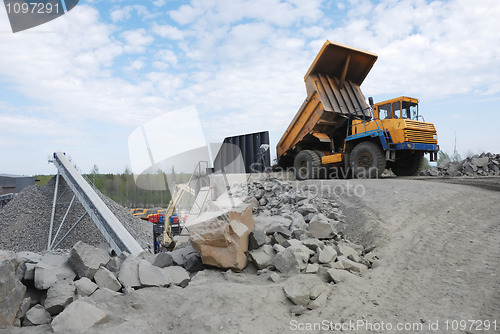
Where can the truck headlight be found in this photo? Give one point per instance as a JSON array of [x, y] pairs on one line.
[[409, 145]]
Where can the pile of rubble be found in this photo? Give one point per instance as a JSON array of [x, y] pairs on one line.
[[25, 220], [293, 231], [60, 289], [287, 234], [485, 164]]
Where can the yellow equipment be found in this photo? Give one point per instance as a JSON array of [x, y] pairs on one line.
[[336, 131]]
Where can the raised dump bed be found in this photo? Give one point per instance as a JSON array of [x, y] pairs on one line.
[[333, 92]]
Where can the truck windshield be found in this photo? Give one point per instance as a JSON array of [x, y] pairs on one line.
[[410, 110]]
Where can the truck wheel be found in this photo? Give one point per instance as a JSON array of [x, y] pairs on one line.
[[367, 160], [323, 171], [409, 166], [306, 165]]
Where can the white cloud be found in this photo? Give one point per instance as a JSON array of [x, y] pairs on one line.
[[136, 40], [167, 31], [121, 14]]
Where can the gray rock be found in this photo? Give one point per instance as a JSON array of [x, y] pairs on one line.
[[348, 252], [297, 293], [106, 279], [78, 318], [298, 222], [129, 273], [85, 287], [292, 259], [36, 316], [286, 233], [29, 257], [327, 254], [178, 275], [51, 269], [114, 265], [263, 257], [105, 295], [277, 238], [316, 291], [181, 255], [264, 223], [318, 302], [292, 243], [320, 227], [312, 243], [278, 248], [25, 306], [86, 259], [354, 267], [297, 310], [59, 296], [163, 260], [274, 277], [312, 268], [150, 275], [339, 275], [257, 238], [29, 272], [480, 162], [11, 289], [193, 263]]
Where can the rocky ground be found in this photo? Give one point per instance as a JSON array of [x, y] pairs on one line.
[[323, 255]]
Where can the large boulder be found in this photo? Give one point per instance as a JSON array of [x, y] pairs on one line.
[[11, 289], [59, 296], [37, 315], [178, 275], [106, 279], [87, 259], [50, 269], [292, 259], [129, 272], [78, 318], [221, 238], [150, 275], [263, 257]]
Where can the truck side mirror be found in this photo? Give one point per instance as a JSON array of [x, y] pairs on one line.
[[370, 100]]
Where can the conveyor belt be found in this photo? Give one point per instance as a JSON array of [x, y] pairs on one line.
[[111, 228]]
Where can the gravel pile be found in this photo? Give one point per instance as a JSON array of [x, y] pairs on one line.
[[485, 164], [25, 220]]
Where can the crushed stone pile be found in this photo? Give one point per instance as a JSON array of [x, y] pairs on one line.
[[25, 220], [485, 164], [296, 232]]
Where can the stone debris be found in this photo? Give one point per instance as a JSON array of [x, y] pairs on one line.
[[33, 300], [289, 235], [484, 164]]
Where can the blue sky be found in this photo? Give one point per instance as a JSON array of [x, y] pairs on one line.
[[84, 82]]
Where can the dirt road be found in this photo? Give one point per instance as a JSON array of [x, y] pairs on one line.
[[439, 249]]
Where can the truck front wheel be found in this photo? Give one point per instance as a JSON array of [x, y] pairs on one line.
[[367, 160], [409, 166], [306, 165]]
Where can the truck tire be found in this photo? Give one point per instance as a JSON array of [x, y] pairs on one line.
[[409, 166], [323, 171], [306, 165], [367, 160]]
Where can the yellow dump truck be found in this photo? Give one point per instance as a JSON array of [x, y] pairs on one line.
[[336, 133]]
